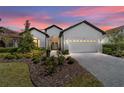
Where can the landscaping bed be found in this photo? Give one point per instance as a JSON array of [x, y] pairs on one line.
[[65, 75], [45, 70]]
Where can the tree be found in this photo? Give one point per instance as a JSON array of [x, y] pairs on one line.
[[26, 43], [117, 38]]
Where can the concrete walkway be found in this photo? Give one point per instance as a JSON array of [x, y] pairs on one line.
[[108, 69]]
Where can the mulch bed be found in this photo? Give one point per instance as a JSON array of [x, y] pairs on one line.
[[63, 74], [15, 60]]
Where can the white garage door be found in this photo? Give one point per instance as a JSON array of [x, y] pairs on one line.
[[86, 47]]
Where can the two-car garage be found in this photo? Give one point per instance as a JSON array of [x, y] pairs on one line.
[[82, 38]]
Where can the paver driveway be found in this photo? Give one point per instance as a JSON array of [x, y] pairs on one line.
[[109, 70]]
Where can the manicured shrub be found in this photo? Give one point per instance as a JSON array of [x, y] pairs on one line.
[[121, 46], [61, 60], [2, 55], [47, 52], [122, 53], [37, 48], [65, 52], [50, 65], [27, 55], [107, 50], [6, 50], [19, 56], [10, 56], [13, 50], [43, 49], [36, 60], [70, 60], [37, 53], [43, 58]]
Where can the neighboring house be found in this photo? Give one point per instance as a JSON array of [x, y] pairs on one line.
[[82, 37], [113, 32], [8, 38]]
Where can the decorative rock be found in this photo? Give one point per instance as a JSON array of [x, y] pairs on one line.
[[54, 53]]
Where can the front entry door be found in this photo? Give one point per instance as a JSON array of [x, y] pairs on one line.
[[54, 42], [54, 46]]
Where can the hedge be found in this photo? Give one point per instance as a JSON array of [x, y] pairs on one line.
[[114, 46], [6, 50], [114, 49]]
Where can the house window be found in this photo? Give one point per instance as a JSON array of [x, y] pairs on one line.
[[2, 43], [37, 42]]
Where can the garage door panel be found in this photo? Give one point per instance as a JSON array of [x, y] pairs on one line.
[[83, 47]]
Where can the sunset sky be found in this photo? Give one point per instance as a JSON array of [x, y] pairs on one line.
[[63, 16]]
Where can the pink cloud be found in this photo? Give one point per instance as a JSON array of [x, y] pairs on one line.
[[38, 21], [46, 17], [64, 25], [93, 11], [19, 22], [40, 25], [106, 27], [105, 17]]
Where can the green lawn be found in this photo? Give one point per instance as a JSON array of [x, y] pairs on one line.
[[86, 80], [14, 74]]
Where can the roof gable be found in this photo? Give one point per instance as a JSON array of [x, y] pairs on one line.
[[52, 27], [8, 32], [86, 22], [33, 28]]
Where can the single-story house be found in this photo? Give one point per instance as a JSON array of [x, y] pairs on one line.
[[81, 37], [8, 38]]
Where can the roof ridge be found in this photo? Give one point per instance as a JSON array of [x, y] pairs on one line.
[[39, 31], [84, 21], [9, 29], [53, 26]]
